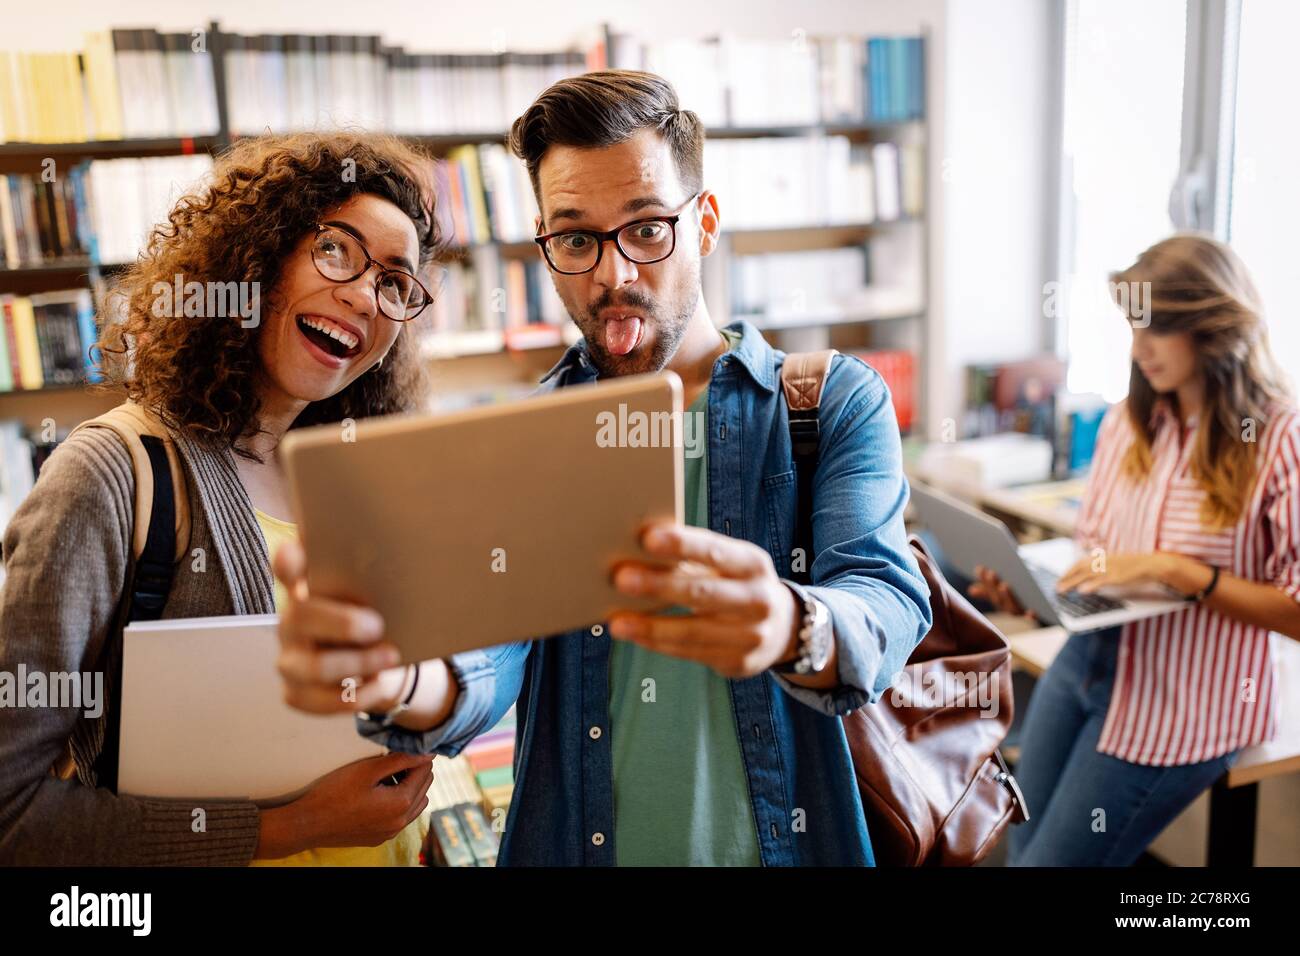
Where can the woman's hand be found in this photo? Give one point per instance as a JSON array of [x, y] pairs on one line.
[[993, 589], [1174, 571], [333, 658], [350, 806]]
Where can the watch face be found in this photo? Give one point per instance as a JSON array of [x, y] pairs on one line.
[[822, 636]]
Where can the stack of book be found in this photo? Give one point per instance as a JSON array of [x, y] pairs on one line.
[[101, 211], [125, 84], [460, 832], [128, 197], [491, 757], [796, 81], [483, 194], [470, 798], [17, 472], [819, 286], [813, 181], [41, 98], [46, 340], [283, 83], [488, 302], [897, 367], [44, 219]]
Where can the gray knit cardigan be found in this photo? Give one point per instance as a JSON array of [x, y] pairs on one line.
[[67, 556]]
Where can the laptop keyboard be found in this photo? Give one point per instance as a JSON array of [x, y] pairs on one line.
[[1073, 603]]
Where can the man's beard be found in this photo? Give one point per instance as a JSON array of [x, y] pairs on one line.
[[669, 332]]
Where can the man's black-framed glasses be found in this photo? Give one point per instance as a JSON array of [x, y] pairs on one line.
[[340, 257], [572, 252]]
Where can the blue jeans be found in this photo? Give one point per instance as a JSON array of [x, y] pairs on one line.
[[1088, 808]]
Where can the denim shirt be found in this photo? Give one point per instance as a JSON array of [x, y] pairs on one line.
[[802, 787]]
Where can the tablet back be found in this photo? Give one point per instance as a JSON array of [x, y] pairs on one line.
[[490, 525]]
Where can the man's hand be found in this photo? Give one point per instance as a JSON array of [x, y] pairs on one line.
[[744, 619]]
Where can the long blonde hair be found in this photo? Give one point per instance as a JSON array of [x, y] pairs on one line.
[[1199, 286]]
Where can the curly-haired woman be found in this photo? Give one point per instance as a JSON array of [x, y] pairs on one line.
[[331, 230]]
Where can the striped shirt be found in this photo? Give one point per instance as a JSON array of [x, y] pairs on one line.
[[1193, 684]]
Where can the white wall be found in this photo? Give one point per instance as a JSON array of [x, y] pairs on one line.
[[472, 26], [1000, 128]]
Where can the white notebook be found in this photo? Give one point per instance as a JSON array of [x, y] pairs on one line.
[[203, 715]]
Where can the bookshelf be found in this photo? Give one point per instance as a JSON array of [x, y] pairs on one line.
[[489, 361]]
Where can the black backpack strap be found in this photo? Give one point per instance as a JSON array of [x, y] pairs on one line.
[[156, 566], [150, 584], [803, 375]]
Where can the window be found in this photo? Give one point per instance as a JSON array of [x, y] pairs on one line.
[[1264, 197], [1145, 154], [1123, 104]]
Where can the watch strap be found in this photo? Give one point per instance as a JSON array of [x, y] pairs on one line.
[[807, 620]]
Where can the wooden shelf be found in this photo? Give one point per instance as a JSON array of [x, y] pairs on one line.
[[67, 405], [28, 157], [752, 241], [439, 142], [783, 324], [186, 145]]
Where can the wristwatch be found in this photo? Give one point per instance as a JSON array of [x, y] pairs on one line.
[[816, 635]]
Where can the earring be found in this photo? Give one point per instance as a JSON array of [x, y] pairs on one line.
[[378, 365]]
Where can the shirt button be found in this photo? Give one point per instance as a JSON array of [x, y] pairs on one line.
[[598, 839], [597, 630], [594, 733]]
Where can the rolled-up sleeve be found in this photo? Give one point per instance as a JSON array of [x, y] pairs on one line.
[[863, 570], [487, 681]]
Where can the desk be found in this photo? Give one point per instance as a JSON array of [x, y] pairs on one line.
[[1052, 505], [1234, 798]]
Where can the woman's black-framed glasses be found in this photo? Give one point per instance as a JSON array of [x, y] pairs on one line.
[[572, 252], [340, 257]]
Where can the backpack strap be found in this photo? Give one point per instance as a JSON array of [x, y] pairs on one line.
[[133, 424], [803, 376], [159, 539]]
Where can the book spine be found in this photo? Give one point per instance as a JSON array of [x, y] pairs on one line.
[[6, 368], [448, 840], [482, 841], [11, 343], [87, 336]]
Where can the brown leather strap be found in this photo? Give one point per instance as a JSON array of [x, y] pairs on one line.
[[803, 376]]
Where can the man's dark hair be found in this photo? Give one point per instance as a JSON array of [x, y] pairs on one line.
[[606, 108]]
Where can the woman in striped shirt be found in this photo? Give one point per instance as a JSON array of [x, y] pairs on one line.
[[1195, 486]]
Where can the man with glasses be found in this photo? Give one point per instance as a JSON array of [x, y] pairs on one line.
[[709, 736]]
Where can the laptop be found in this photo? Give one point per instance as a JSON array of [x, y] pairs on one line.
[[969, 537], [493, 524]]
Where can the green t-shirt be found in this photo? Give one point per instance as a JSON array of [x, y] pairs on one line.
[[680, 793]]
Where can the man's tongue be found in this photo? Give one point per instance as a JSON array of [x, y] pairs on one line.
[[622, 334]]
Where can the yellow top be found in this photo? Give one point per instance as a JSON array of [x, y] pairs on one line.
[[401, 850]]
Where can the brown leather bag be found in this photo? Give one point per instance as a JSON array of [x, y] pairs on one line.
[[934, 786]]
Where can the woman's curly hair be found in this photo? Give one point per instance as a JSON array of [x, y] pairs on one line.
[[263, 196]]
